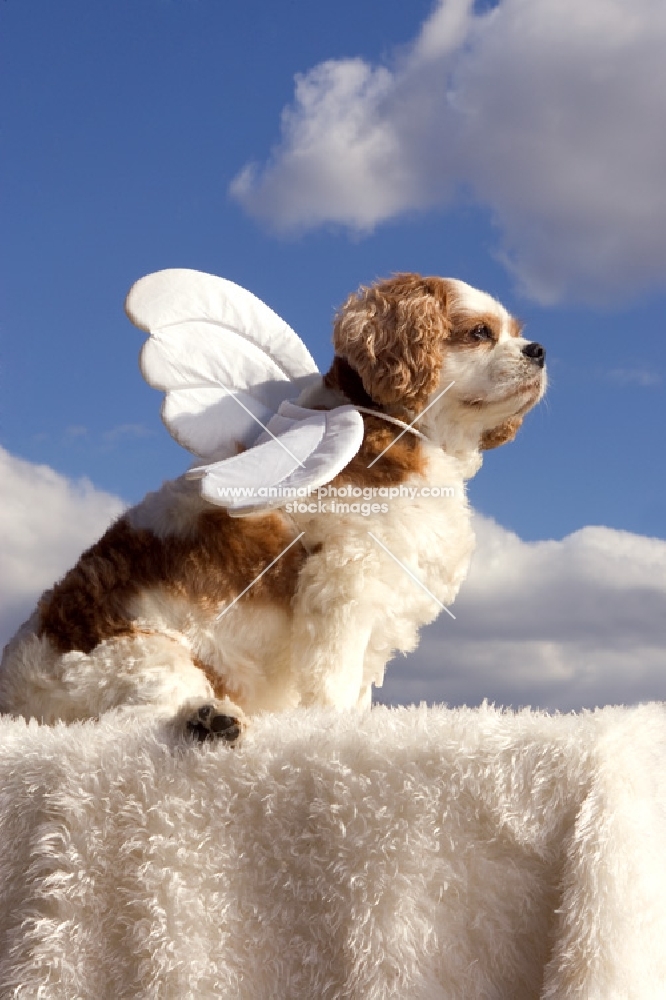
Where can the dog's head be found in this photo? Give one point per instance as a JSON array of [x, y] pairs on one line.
[[438, 347]]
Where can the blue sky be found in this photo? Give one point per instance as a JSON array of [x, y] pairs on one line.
[[300, 150]]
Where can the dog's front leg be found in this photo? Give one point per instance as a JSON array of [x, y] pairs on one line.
[[328, 652], [339, 602]]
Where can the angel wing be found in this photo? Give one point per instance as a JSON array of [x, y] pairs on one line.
[[230, 369], [301, 450], [224, 359]]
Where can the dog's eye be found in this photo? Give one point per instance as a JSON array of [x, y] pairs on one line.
[[481, 332]]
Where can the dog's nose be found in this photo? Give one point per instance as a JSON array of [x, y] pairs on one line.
[[536, 352]]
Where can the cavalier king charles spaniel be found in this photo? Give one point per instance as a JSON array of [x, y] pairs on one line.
[[181, 610]]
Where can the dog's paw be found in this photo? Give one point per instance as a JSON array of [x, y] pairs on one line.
[[213, 722]]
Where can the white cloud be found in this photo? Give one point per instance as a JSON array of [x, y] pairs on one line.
[[547, 111], [46, 521], [644, 377], [124, 431], [559, 624], [341, 159]]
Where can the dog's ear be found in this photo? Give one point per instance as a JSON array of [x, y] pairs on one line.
[[393, 335], [501, 434]]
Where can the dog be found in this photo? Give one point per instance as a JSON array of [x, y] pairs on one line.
[[185, 612]]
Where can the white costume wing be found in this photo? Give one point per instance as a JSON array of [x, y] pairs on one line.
[[220, 354], [301, 450], [230, 367]]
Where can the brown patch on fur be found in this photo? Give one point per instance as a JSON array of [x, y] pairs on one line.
[[515, 327], [393, 334], [403, 459], [464, 324], [222, 557], [342, 377], [501, 434], [220, 690]]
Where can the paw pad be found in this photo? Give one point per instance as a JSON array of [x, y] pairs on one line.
[[208, 723]]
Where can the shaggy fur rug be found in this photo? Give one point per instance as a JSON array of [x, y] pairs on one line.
[[421, 853]]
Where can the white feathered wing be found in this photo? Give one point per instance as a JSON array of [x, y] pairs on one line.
[[231, 369]]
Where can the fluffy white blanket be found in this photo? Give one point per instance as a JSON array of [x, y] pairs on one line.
[[423, 853]]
